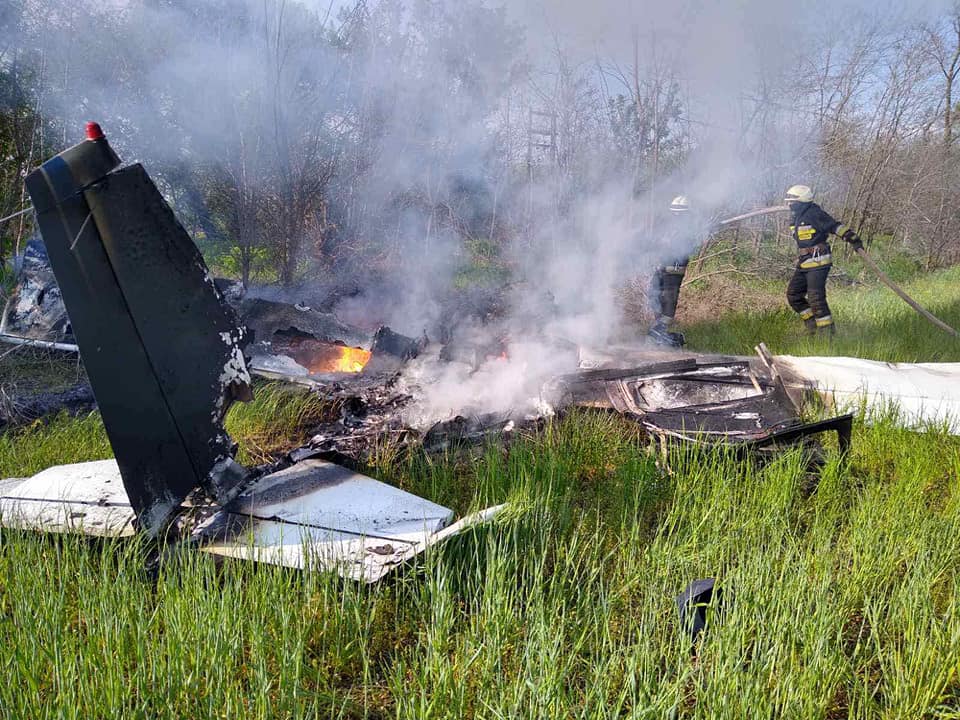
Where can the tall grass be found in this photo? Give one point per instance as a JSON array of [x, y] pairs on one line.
[[277, 420], [63, 439], [841, 590], [871, 322], [842, 600]]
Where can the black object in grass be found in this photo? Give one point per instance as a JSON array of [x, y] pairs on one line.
[[693, 603]]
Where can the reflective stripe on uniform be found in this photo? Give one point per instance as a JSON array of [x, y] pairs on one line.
[[841, 229], [825, 321], [803, 232], [675, 269], [806, 314], [816, 261]]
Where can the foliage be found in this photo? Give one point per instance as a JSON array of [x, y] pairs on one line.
[[21, 145], [64, 439], [841, 599], [275, 421], [482, 267], [643, 126]]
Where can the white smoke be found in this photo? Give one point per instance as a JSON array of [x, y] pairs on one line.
[[180, 84]]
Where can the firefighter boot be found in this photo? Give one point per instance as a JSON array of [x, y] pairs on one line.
[[661, 335], [825, 327]]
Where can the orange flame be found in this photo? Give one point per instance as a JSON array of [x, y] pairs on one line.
[[322, 357], [348, 359]]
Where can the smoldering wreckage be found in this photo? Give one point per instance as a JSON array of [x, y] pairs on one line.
[[167, 351]]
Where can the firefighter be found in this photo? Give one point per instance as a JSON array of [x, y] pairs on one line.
[[665, 286], [807, 289]]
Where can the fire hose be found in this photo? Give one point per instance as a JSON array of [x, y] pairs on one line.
[[753, 213], [903, 296], [867, 260]]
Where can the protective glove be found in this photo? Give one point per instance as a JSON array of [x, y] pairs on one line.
[[855, 242]]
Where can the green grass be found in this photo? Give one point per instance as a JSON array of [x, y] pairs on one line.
[[844, 601], [843, 598], [28, 370], [481, 266], [276, 421], [871, 322], [64, 439]]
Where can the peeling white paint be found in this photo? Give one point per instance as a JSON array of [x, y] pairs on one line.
[[314, 516], [234, 372]]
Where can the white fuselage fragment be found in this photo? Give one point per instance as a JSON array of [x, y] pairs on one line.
[[86, 497], [312, 515], [924, 393]]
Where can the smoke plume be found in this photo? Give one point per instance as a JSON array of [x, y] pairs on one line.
[[386, 147]]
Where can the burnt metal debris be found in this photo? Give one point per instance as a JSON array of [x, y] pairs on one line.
[[737, 402], [143, 309], [694, 602], [727, 400], [19, 409], [164, 348], [35, 310], [296, 342], [163, 351], [266, 318], [277, 335]]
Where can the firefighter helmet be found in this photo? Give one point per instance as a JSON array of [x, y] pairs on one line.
[[799, 193], [679, 204]]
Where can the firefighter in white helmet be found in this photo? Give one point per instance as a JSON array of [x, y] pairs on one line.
[[807, 289], [679, 239]]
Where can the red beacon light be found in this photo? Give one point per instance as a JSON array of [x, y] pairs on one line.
[[93, 158], [94, 131]]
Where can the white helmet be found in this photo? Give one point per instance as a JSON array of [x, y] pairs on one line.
[[679, 205], [799, 193]]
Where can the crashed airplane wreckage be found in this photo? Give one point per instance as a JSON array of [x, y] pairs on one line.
[[166, 357], [735, 401], [163, 354]]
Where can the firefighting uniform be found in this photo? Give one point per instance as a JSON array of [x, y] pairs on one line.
[[665, 290], [807, 289], [665, 285]]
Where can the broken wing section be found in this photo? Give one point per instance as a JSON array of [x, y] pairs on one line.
[[313, 515], [320, 515], [160, 347], [86, 497], [924, 393], [697, 399]]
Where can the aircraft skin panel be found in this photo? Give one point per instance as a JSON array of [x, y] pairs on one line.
[[924, 393], [88, 498], [314, 515]]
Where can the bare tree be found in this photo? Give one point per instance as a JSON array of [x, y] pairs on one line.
[[943, 45]]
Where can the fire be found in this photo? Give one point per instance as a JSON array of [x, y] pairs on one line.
[[346, 359], [322, 357]]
